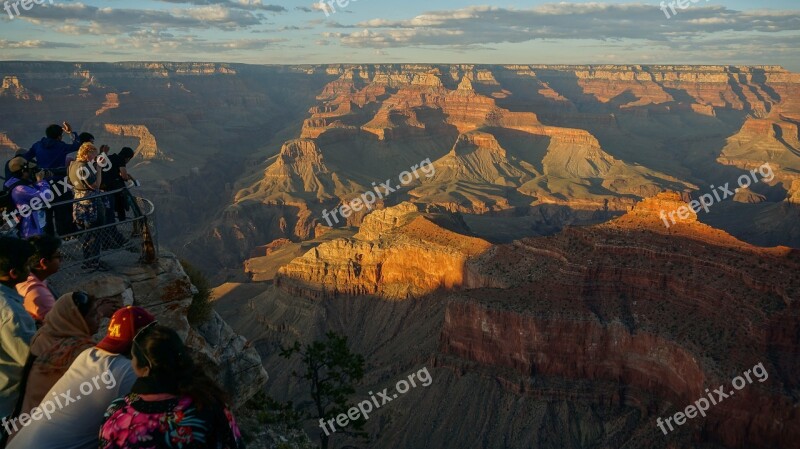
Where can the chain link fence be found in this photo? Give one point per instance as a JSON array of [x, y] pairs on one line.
[[110, 242]]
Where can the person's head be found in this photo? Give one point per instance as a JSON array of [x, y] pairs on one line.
[[158, 353], [15, 255], [125, 324], [21, 168], [85, 137], [126, 153], [54, 132], [46, 259], [86, 153], [92, 309]]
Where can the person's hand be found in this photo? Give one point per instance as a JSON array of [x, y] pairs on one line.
[[40, 175], [104, 148], [67, 128]]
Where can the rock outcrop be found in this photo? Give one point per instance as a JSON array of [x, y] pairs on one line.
[[147, 147], [166, 291], [611, 302], [398, 254]]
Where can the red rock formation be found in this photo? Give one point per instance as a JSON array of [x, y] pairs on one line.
[[12, 87], [397, 254], [147, 148], [7, 144], [666, 311], [112, 102]]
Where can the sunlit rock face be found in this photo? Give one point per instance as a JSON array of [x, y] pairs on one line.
[[398, 254]]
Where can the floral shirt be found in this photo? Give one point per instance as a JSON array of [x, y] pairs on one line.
[[133, 423]]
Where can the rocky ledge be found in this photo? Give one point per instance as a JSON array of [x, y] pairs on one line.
[[165, 290]]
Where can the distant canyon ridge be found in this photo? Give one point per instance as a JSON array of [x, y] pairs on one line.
[[239, 156]]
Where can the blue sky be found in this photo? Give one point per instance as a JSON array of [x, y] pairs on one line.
[[384, 31]]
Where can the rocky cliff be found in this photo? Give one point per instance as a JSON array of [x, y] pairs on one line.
[[147, 147], [166, 291], [665, 312], [607, 327], [398, 254]]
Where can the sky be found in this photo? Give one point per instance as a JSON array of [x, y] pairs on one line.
[[754, 32]]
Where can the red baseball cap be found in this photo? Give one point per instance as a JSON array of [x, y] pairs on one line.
[[125, 324]]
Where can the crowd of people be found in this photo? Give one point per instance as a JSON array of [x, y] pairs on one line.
[[138, 387], [42, 182]]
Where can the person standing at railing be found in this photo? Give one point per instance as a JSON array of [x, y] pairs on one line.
[[87, 214], [114, 179], [51, 154], [28, 189], [7, 175]]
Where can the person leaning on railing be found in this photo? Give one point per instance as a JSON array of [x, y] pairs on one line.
[[87, 214]]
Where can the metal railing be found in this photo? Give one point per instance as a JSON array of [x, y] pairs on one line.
[[110, 242]]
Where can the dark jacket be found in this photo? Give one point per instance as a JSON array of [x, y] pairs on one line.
[[52, 153]]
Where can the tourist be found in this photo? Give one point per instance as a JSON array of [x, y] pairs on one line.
[[173, 403], [89, 213], [114, 179], [38, 296], [51, 154], [99, 375], [7, 175], [16, 326], [67, 332], [30, 193]]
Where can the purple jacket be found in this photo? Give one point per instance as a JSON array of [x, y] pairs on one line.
[[27, 198]]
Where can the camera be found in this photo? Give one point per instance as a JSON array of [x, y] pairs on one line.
[[43, 173]]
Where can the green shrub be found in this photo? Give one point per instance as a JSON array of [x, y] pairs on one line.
[[201, 307]]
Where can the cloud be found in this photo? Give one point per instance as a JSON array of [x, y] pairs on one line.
[[121, 20], [6, 44], [571, 21], [165, 43], [250, 5]]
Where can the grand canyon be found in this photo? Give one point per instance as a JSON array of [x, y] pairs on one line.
[[530, 268]]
